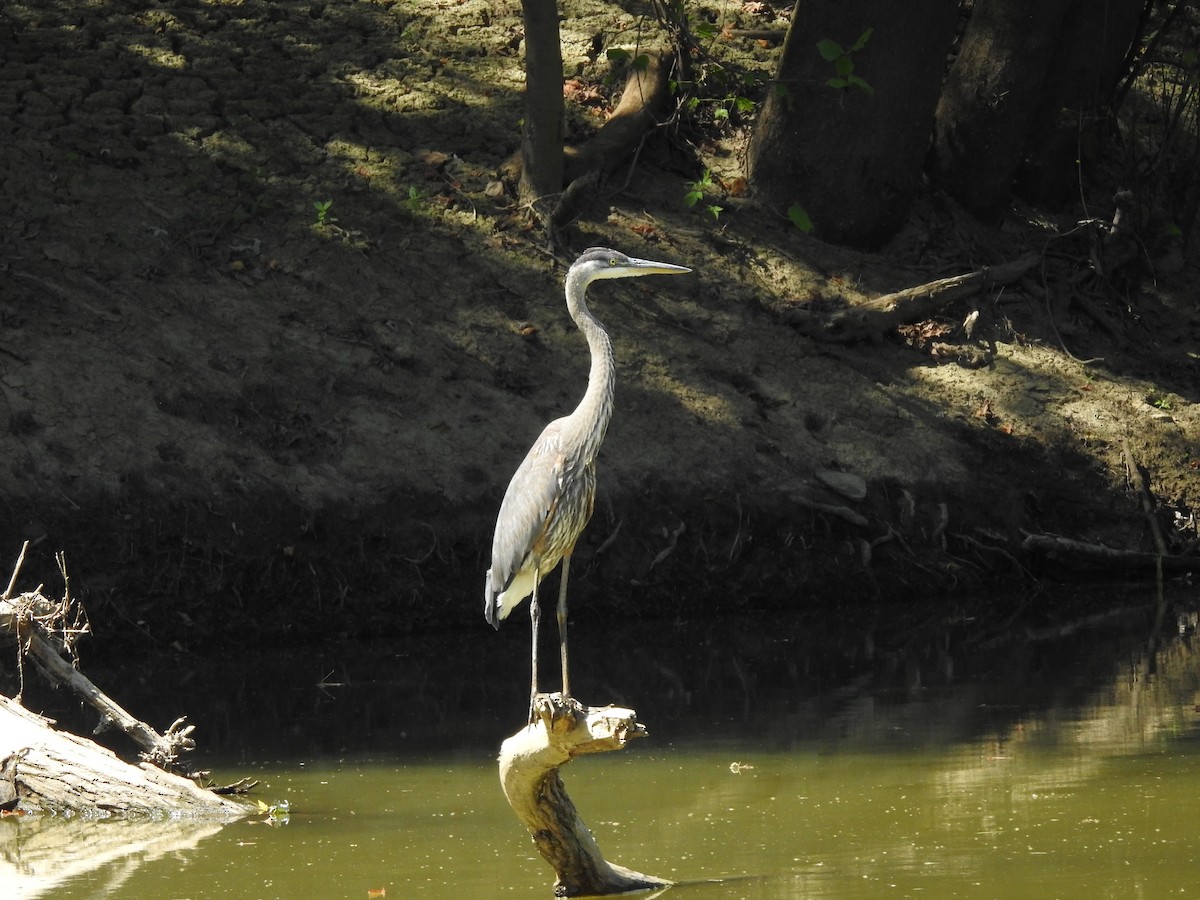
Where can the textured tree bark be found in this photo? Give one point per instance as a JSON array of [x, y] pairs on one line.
[[49, 770], [985, 117], [852, 156], [541, 147], [1072, 111], [529, 764], [638, 112]]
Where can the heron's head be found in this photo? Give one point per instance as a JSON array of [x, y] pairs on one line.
[[600, 262]]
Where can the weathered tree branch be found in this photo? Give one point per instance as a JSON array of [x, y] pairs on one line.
[[30, 619], [43, 768], [870, 320], [529, 764], [46, 769], [1064, 550]]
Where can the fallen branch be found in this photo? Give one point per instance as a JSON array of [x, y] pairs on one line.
[[529, 764], [1063, 549], [53, 771], [871, 320], [42, 768], [39, 626]]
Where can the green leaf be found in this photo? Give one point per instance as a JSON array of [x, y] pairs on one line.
[[860, 83], [720, 113], [693, 197], [715, 211], [799, 216], [642, 62], [838, 83], [705, 30], [744, 104], [843, 65], [830, 50], [616, 54], [862, 40]]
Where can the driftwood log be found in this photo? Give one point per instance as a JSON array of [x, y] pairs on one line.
[[871, 320], [44, 769], [529, 764]]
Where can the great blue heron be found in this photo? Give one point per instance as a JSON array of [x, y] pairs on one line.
[[549, 500]]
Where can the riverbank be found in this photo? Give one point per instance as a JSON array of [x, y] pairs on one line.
[[274, 341]]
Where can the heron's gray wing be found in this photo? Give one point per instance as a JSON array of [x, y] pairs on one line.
[[528, 506]]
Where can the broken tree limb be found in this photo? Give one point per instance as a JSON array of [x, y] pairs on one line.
[[529, 764], [870, 320], [1067, 550], [41, 630], [42, 768], [160, 749]]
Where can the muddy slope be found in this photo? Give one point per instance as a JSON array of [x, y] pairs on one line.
[[241, 407]]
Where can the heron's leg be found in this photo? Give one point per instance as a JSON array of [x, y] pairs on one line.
[[535, 613], [562, 621]]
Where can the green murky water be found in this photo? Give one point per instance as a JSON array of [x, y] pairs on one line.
[[1063, 765]]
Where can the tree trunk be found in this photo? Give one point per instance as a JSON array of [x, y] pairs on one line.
[[529, 764], [1074, 108], [542, 146], [985, 116], [852, 156]]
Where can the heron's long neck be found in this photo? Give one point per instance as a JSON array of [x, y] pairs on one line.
[[595, 409]]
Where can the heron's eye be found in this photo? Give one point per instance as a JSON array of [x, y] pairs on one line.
[[612, 261]]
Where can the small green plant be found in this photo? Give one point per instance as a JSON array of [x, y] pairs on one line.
[[1161, 402], [800, 218], [323, 217], [697, 188], [843, 62], [696, 194], [415, 199]]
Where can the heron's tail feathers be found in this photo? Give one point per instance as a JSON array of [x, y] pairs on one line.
[[491, 603]]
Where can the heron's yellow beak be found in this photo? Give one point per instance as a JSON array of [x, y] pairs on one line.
[[650, 267]]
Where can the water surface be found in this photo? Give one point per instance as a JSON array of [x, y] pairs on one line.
[[1065, 764]]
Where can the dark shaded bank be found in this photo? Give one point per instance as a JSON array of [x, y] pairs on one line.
[[201, 573]]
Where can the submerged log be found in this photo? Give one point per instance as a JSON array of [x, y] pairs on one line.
[[529, 764]]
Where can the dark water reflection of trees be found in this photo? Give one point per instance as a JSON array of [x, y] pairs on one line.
[[875, 676]]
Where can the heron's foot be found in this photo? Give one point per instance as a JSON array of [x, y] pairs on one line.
[[550, 709]]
